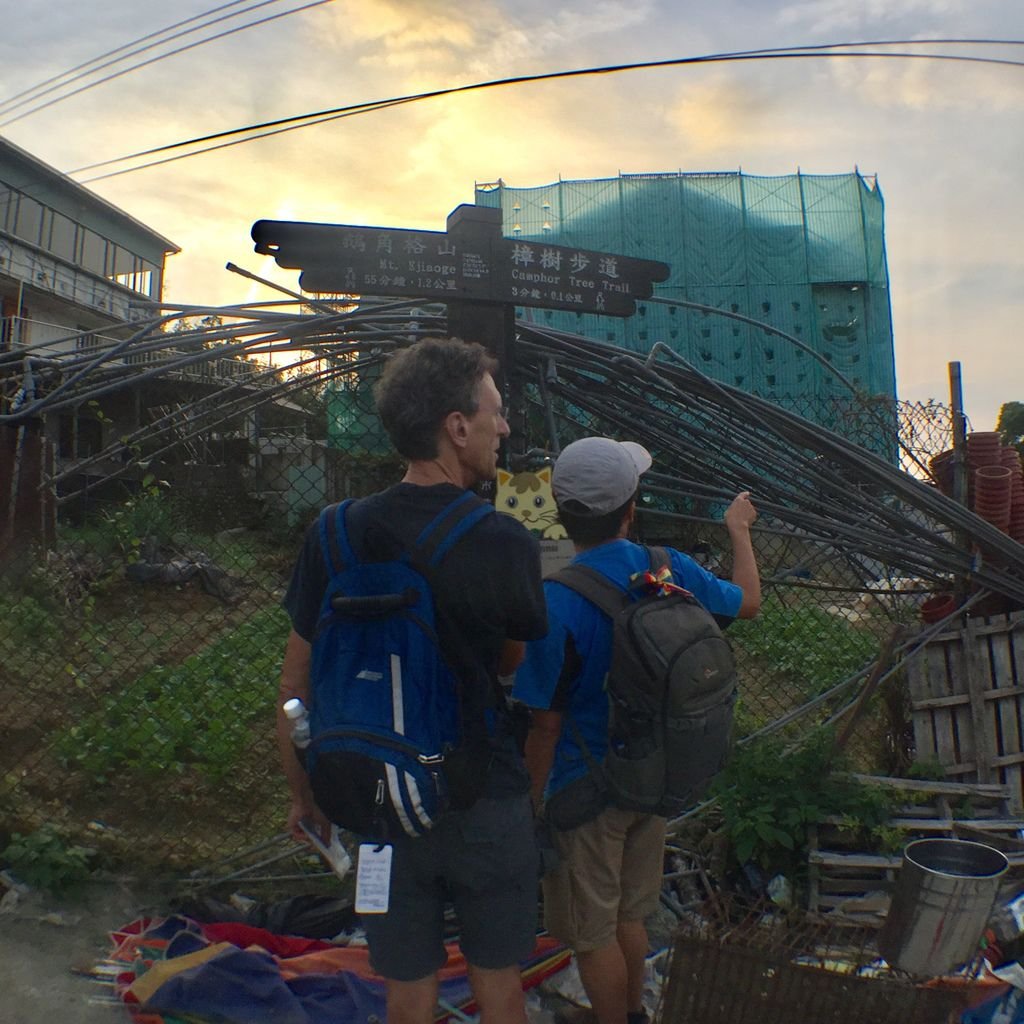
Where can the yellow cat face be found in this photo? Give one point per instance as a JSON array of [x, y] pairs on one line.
[[528, 498]]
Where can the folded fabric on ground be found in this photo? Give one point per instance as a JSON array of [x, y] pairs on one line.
[[176, 969]]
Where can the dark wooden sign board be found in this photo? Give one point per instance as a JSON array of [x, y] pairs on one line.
[[471, 261], [481, 275]]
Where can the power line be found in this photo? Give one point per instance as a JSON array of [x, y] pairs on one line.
[[163, 56], [827, 50], [9, 102]]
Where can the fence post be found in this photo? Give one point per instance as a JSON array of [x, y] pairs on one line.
[[493, 324], [956, 401]]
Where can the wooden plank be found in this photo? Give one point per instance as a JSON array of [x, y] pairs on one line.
[[850, 886], [978, 676], [922, 720], [993, 791], [1015, 621], [1014, 651], [962, 714], [881, 862], [835, 858], [813, 891], [940, 824], [1008, 759], [962, 698], [968, 767], [983, 835], [940, 685], [1008, 712], [876, 904]]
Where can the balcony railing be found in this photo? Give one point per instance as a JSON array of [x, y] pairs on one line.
[[57, 341]]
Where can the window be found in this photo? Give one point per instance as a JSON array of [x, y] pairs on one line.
[[8, 208], [94, 252], [62, 237], [30, 220]]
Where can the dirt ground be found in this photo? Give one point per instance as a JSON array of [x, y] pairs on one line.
[[45, 942]]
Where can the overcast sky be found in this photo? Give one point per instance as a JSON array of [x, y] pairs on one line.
[[945, 139]]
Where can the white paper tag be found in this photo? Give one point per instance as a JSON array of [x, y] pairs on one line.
[[373, 879]]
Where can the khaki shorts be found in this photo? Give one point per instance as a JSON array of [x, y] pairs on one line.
[[611, 870]]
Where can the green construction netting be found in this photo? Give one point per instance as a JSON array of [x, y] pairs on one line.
[[803, 253]]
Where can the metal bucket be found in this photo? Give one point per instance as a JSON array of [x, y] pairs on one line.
[[941, 903]]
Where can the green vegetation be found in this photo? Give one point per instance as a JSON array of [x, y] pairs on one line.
[[803, 645], [197, 713], [46, 859], [148, 515], [771, 792], [1011, 424]]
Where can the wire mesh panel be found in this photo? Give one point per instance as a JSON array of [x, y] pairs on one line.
[[763, 970], [140, 651]]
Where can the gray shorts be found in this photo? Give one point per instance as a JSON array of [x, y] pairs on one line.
[[484, 862]]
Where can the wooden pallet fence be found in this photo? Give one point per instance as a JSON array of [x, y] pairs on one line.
[[966, 692], [854, 887]]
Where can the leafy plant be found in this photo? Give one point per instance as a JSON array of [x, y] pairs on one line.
[[27, 619], [45, 859], [147, 514], [1011, 424], [196, 713], [770, 793]]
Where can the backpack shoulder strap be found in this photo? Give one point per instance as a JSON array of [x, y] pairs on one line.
[[593, 587], [657, 558], [449, 526], [334, 542]]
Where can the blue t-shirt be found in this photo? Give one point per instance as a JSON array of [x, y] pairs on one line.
[[565, 671]]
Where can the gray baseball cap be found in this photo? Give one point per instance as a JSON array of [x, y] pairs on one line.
[[597, 475]]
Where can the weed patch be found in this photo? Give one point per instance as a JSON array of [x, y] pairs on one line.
[[195, 714]]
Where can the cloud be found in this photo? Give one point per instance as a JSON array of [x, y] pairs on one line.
[[839, 16]]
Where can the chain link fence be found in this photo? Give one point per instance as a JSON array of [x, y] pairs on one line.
[[140, 653]]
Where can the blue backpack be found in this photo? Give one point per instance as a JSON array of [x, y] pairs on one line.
[[387, 712]]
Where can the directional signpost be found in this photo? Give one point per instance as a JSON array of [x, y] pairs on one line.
[[481, 275], [471, 261]]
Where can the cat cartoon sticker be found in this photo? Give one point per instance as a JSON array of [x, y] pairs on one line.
[[527, 496]]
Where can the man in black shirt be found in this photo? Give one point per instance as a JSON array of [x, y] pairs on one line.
[[439, 404]]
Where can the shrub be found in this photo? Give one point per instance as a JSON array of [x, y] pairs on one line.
[[770, 793], [45, 859]]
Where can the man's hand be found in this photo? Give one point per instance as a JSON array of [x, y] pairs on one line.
[[740, 516], [741, 513], [302, 810]]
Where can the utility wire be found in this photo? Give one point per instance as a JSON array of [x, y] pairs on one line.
[[295, 122], [163, 56], [40, 87]]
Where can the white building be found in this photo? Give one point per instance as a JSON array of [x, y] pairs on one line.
[[70, 261]]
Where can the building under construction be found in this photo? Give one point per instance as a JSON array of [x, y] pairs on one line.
[[802, 253]]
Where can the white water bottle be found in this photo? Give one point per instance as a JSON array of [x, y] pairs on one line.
[[296, 713]]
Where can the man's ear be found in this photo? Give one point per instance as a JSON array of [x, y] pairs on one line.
[[628, 520], [457, 428]]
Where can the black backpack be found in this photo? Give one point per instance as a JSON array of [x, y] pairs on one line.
[[671, 690]]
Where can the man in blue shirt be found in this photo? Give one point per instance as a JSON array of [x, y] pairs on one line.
[[609, 877]]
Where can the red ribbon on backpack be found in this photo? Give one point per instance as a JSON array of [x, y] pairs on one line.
[[659, 582]]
